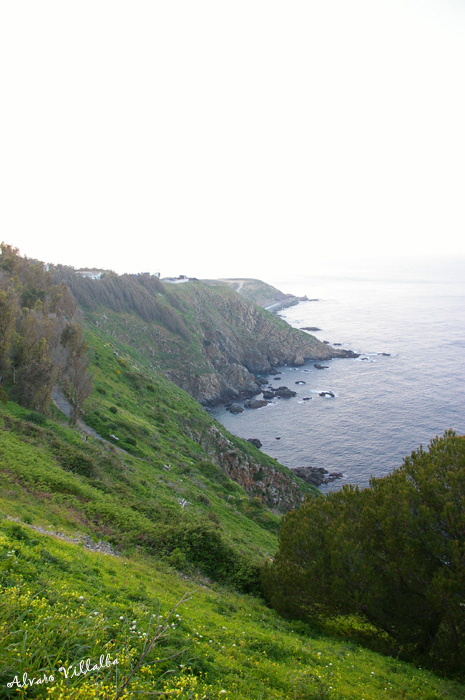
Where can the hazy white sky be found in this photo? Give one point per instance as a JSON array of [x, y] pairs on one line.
[[218, 138]]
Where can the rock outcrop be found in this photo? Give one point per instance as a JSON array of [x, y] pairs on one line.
[[239, 341], [312, 475], [276, 488]]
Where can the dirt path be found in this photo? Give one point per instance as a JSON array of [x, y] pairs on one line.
[[85, 540], [62, 403]]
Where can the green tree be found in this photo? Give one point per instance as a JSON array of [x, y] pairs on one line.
[[35, 371], [394, 553], [8, 314], [76, 380]]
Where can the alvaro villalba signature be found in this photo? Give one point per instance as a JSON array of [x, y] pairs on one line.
[[74, 670]]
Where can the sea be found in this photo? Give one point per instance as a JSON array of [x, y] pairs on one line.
[[407, 321]]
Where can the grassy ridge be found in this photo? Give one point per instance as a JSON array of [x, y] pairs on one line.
[[152, 484], [259, 292], [55, 480]]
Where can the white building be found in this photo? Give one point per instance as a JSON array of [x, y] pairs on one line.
[[91, 274]]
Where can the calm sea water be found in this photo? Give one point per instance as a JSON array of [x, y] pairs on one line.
[[385, 405]]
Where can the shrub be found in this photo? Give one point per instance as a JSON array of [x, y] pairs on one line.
[[37, 418], [73, 459]]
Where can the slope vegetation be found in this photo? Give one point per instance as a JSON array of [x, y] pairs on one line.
[[261, 293]]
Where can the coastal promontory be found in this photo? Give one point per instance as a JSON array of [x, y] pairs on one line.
[[207, 337]]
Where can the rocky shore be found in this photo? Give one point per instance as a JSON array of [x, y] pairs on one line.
[[282, 304]]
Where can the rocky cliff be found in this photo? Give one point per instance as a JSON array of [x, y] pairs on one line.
[[206, 337], [275, 486], [242, 340], [211, 342]]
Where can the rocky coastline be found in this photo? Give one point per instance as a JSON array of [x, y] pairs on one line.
[[278, 306]]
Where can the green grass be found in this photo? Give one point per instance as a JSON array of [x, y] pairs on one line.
[[259, 292], [226, 641], [158, 488]]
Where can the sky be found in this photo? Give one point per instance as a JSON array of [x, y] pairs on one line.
[[215, 138]]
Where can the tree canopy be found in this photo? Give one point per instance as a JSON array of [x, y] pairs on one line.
[[393, 553], [41, 344]]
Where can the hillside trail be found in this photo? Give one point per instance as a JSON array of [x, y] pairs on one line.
[[81, 538], [63, 405]]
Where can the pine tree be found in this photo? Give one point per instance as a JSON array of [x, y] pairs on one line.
[[394, 553]]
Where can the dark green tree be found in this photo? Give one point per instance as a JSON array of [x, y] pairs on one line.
[[35, 371], [8, 315], [76, 379], [394, 553]]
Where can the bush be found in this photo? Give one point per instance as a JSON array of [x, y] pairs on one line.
[[37, 418], [73, 460], [203, 545], [113, 409]]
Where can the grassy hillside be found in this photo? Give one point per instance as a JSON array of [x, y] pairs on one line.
[[61, 604], [156, 491], [259, 292]]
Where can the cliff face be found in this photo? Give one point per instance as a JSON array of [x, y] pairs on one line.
[[277, 488], [206, 337], [240, 340], [210, 341]]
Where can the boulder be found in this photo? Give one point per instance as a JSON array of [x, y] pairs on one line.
[[255, 441], [312, 475], [347, 353], [284, 392], [235, 408], [327, 393], [318, 366], [298, 360], [332, 477], [268, 395], [255, 403], [310, 328], [261, 380]]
